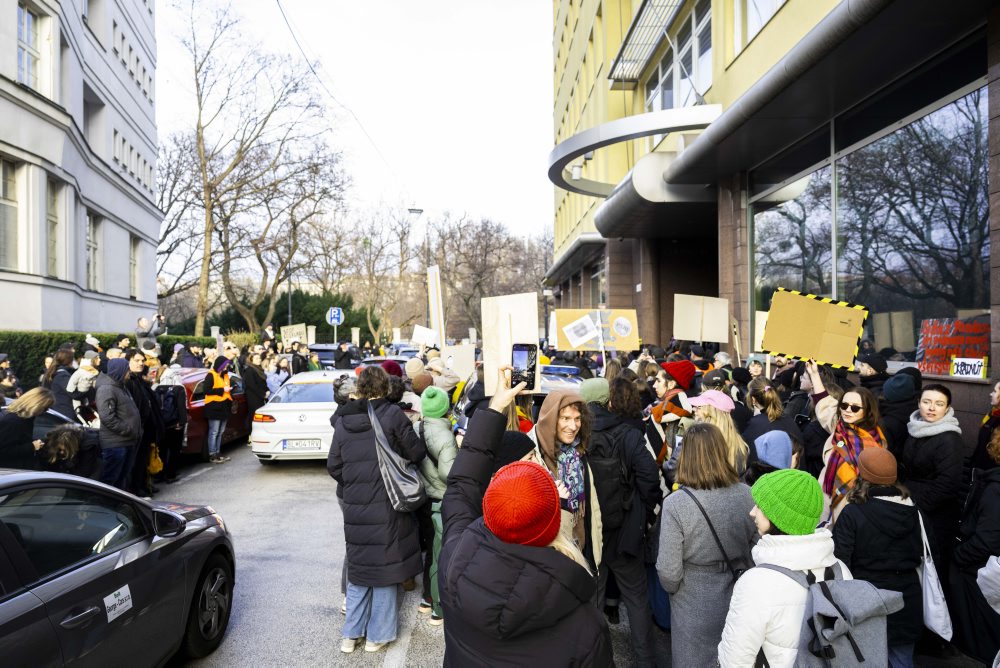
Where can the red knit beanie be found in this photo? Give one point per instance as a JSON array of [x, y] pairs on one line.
[[392, 368], [521, 505], [683, 372]]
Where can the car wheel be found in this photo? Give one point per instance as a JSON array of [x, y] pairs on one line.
[[210, 608]]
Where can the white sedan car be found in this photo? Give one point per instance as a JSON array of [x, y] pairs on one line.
[[295, 422]]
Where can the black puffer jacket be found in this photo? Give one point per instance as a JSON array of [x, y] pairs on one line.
[[813, 440], [64, 402], [16, 448], [121, 424], [979, 536], [760, 425], [932, 471], [629, 538], [880, 542], [382, 544], [895, 415], [509, 605]]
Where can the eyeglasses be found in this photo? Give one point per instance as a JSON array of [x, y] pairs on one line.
[[850, 408]]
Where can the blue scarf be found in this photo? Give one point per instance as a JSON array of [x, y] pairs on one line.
[[570, 467]]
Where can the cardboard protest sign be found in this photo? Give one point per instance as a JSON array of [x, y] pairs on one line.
[[893, 330], [356, 336], [587, 329], [397, 335], [759, 325], [460, 359], [507, 320], [699, 318], [294, 332], [423, 336], [966, 367], [941, 339], [811, 327]]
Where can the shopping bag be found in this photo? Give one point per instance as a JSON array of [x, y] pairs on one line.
[[936, 616]]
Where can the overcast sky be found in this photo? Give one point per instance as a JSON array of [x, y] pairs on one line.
[[456, 94]]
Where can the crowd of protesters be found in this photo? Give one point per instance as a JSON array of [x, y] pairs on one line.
[[704, 495]]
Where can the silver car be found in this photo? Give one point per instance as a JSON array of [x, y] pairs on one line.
[[91, 575]]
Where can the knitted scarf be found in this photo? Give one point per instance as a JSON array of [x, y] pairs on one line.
[[570, 465], [995, 413], [842, 469], [668, 406]]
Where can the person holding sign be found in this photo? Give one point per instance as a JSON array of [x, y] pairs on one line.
[[856, 429]]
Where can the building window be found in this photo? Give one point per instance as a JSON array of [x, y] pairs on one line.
[[8, 215], [53, 228], [679, 81], [27, 46], [901, 226], [133, 267], [750, 16], [93, 268]]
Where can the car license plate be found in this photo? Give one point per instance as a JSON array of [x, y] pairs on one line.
[[301, 444]]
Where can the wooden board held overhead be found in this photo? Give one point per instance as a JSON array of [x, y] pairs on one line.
[[812, 327]]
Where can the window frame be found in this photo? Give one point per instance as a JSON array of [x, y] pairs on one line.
[[8, 197], [53, 226], [133, 266], [31, 51], [741, 37], [93, 251], [653, 101]]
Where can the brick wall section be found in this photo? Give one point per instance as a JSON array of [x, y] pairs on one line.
[[734, 256], [647, 302], [621, 286], [993, 55]]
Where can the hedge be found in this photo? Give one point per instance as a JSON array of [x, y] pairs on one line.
[[27, 350]]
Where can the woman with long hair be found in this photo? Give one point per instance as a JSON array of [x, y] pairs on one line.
[[612, 369], [856, 429], [56, 379], [17, 424], [278, 374], [696, 571], [383, 548], [764, 400], [715, 407], [878, 537]]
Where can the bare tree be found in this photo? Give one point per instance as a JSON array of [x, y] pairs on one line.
[[326, 248], [179, 248], [252, 108]]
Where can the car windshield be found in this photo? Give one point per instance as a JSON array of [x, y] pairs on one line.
[[303, 393]]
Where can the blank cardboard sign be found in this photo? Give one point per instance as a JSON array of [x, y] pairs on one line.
[[507, 320], [699, 318], [808, 327]]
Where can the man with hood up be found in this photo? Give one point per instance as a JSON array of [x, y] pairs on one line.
[[121, 424]]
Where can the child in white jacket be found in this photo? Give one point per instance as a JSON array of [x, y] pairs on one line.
[[81, 386], [766, 608]]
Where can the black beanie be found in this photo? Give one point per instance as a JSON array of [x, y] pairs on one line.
[[513, 446]]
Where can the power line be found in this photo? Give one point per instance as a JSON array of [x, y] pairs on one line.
[[333, 97]]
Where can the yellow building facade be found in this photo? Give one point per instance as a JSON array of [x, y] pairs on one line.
[[729, 147]]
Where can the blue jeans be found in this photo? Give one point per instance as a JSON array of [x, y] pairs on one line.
[[371, 612], [113, 472], [901, 656], [215, 429]]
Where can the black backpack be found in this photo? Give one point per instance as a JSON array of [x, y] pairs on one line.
[[168, 405], [612, 478]]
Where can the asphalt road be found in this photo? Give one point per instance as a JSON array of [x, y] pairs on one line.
[[289, 539]]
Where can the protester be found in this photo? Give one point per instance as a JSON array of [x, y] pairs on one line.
[[81, 388], [672, 411], [254, 385], [444, 377], [716, 407], [538, 608], [617, 435], [872, 368], [764, 398], [989, 582], [71, 449], [980, 457], [147, 331], [976, 624], [898, 402], [697, 571], [562, 436], [218, 407], [17, 423], [775, 451], [56, 378], [382, 544], [878, 537], [435, 430], [932, 467], [278, 374], [192, 357], [121, 424], [267, 335], [767, 607], [342, 356], [299, 361], [856, 429], [172, 399], [719, 380]]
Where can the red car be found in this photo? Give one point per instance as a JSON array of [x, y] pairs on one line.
[[238, 427]]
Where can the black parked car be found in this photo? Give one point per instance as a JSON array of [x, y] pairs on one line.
[[90, 575]]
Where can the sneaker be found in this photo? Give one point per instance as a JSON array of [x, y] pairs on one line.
[[223, 458], [348, 645], [374, 646], [436, 620], [216, 459], [343, 607], [424, 607]]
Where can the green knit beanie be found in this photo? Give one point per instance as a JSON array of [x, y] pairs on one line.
[[433, 402], [791, 499]]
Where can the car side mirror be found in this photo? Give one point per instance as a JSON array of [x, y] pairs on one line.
[[167, 524]]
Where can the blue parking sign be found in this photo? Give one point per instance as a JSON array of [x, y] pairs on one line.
[[335, 316]]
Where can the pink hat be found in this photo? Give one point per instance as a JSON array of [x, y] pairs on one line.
[[714, 398]]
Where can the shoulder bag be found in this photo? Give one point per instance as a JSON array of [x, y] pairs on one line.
[[936, 616], [400, 477], [735, 567]]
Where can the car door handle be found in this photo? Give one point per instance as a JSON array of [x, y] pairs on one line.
[[81, 618]]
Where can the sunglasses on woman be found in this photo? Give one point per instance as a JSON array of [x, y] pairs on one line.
[[850, 408]]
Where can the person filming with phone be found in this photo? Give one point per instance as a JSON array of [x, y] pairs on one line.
[[503, 547]]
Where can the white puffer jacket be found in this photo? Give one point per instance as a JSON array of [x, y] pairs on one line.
[[767, 606]]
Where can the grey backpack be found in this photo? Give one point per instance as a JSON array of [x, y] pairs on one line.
[[844, 621]]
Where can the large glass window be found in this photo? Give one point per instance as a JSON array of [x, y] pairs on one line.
[[678, 81], [133, 266], [27, 46], [93, 268], [52, 219], [8, 215], [750, 17], [909, 227]]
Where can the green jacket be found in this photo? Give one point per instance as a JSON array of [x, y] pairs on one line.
[[442, 448]]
